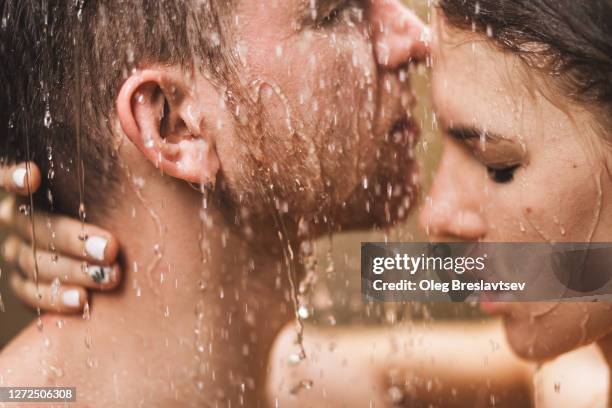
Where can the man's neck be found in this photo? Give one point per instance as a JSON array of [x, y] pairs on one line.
[[197, 296]]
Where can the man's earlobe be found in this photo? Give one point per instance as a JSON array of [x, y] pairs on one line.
[[158, 112]]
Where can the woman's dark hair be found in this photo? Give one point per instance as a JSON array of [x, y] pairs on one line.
[[571, 40]]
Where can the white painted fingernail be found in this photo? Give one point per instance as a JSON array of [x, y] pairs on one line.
[[19, 175], [100, 274], [95, 247], [71, 298]]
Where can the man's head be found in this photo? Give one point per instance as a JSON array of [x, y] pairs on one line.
[[293, 107], [66, 63]]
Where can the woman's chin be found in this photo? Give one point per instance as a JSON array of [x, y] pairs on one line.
[[494, 308]]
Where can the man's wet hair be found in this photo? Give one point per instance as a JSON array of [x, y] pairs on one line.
[[62, 64], [567, 39]]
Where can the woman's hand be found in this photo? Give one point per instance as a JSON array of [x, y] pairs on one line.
[[70, 255]]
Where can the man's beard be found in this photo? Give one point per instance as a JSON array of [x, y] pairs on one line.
[[256, 199], [387, 196]]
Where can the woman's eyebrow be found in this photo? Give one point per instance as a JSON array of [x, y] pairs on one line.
[[468, 133]]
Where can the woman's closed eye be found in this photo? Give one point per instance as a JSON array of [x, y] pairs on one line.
[[502, 175], [500, 155]]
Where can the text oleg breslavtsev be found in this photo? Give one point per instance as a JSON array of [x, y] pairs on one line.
[[445, 287]]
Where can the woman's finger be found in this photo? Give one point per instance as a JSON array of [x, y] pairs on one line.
[[51, 266], [22, 178], [64, 235], [63, 299]]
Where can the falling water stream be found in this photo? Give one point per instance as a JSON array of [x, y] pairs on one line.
[[283, 234], [2, 307], [30, 212]]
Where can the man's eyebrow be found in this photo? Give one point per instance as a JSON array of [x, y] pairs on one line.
[[467, 133]]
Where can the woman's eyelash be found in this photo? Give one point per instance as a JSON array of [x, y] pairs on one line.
[[502, 175]]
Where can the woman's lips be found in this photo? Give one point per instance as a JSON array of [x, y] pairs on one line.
[[494, 308]]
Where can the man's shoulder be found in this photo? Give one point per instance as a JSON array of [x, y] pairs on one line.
[[39, 354]]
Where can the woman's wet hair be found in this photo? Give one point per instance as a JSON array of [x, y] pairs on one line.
[[569, 40], [62, 65]]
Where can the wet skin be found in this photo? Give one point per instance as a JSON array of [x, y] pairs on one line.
[[316, 149], [191, 334]]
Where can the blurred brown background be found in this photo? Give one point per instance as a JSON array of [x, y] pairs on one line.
[[343, 252]]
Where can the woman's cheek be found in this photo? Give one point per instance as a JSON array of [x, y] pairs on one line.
[[553, 210]]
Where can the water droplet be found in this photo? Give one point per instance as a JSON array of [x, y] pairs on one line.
[[86, 313], [303, 312], [396, 395], [24, 209], [91, 362], [47, 120], [303, 385], [55, 287], [294, 358]]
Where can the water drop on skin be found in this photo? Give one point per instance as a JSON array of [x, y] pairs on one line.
[[303, 385], [24, 209], [47, 119], [91, 362], [86, 314], [57, 372], [303, 312], [55, 287], [395, 394]]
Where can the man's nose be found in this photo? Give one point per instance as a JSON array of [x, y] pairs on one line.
[[453, 208], [399, 35]]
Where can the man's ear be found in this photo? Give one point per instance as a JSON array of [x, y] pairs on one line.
[[158, 111]]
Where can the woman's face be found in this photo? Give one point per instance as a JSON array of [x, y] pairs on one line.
[[520, 164]]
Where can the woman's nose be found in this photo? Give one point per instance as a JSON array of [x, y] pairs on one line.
[[452, 209], [399, 35]]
